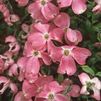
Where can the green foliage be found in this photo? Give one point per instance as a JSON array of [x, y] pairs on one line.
[[88, 70]]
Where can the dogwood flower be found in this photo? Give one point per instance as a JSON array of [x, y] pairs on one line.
[[66, 56], [33, 89], [35, 59], [43, 10], [78, 6], [93, 84], [51, 92], [40, 38]]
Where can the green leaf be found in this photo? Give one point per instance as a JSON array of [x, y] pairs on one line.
[[98, 74], [88, 70], [60, 78]]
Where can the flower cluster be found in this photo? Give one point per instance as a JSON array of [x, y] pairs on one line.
[[8, 17], [49, 41]]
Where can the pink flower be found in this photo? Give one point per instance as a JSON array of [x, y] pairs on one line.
[[97, 8], [43, 10], [14, 47], [14, 18], [8, 61], [33, 89], [22, 2], [21, 63], [75, 91], [78, 6], [13, 87], [18, 69], [40, 82], [1, 65], [4, 82], [98, 1], [62, 20], [70, 89], [13, 70], [20, 97], [44, 34], [66, 56], [51, 92], [91, 84], [73, 37], [10, 39], [28, 89], [35, 59]]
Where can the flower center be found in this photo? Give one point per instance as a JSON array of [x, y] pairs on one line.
[[46, 36], [90, 85], [43, 2], [51, 97], [35, 53], [66, 52]]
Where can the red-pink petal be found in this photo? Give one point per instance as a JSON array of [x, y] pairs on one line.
[[37, 40], [53, 51], [97, 94], [98, 1], [29, 90], [79, 6], [10, 39], [75, 92], [84, 78], [35, 10], [49, 11], [20, 97], [57, 34], [64, 3], [41, 81], [33, 65], [40, 99], [55, 87], [67, 65], [80, 55], [73, 36], [46, 58], [43, 28], [60, 97], [13, 87], [62, 20]]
